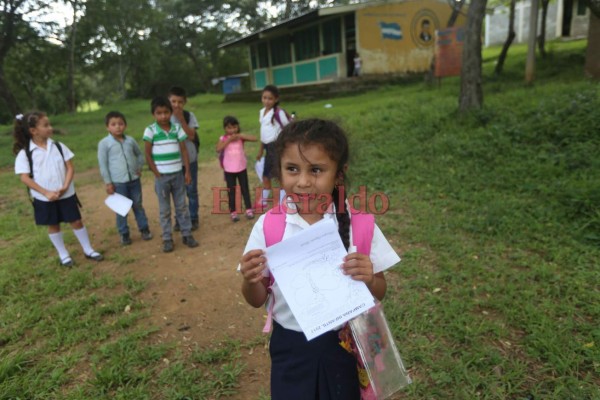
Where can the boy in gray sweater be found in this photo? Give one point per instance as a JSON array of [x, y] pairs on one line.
[[121, 162]]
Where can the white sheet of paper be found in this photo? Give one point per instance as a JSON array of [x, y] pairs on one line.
[[259, 167], [118, 203], [307, 269]]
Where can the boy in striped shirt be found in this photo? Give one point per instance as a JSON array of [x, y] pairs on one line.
[[166, 155]]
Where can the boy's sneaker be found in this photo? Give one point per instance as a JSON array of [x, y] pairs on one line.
[[234, 217], [189, 241], [249, 214], [146, 235], [125, 239], [168, 246], [195, 224]]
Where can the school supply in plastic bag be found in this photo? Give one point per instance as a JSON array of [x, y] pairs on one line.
[[381, 371]]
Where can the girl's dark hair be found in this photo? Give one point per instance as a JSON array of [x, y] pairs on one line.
[[21, 133], [273, 89], [333, 140], [231, 120]]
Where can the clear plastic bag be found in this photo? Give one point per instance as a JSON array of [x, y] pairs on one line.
[[378, 356]]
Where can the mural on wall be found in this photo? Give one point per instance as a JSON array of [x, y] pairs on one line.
[[422, 27], [391, 30], [400, 36]]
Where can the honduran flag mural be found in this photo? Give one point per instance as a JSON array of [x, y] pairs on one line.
[[390, 30]]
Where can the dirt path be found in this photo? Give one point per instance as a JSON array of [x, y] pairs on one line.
[[193, 294]]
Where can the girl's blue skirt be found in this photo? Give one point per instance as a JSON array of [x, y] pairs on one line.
[[317, 369]]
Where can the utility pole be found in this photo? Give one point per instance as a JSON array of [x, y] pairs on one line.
[[531, 43]]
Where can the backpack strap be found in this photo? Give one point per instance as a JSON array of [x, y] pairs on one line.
[[363, 227], [187, 116], [30, 158], [273, 228], [277, 116]]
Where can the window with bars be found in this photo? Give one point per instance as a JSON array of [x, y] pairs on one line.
[[332, 36], [306, 43], [281, 52]]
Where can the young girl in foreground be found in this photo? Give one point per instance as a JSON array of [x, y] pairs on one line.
[[234, 164], [50, 181], [312, 160]]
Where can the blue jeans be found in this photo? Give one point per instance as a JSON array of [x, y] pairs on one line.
[[167, 186], [133, 191], [192, 192]]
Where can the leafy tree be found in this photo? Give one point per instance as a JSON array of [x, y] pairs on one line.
[[14, 28]]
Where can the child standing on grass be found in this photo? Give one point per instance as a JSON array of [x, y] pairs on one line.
[[121, 162], [189, 124], [234, 164], [45, 167], [272, 119], [311, 164], [167, 157]]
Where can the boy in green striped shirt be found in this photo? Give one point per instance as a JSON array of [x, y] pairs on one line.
[[166, 155]]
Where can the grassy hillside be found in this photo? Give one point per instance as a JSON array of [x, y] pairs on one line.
[[497, 216]]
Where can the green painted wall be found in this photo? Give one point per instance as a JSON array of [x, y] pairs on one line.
[[283, 76], [328, 68], [260, 77], [306, 72]]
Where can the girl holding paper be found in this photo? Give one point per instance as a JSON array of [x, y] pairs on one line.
[[45, 167], [311, 164]]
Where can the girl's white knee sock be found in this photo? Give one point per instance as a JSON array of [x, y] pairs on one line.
[[59, 244], [84, 240]]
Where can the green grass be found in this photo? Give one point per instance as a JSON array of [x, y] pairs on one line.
[[496, 216]]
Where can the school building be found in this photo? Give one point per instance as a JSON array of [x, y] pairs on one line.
[[565, 19], [392, 37]]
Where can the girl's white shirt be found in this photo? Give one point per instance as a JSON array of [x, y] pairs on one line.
[[269, 127], [382, 256], [49, 169]]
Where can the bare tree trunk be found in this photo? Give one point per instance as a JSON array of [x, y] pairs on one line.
[[592, 56], [542, 36], [71, 67], [471, 91], [531, 42], [509, 38], [7, 94]]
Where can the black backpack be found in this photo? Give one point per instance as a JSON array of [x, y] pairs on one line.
[[30, 159], [196, 141]]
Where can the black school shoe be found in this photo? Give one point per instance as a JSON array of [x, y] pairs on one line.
[[94, 255], [195, 224], [146, 235], [67, 262], [189, 241], [168, 246], [125, 239]]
